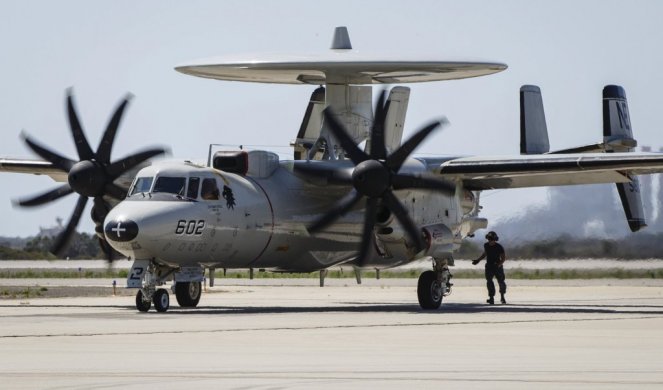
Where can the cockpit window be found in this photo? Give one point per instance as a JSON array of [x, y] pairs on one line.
[[171, 185], [209, 190], [142, 184], [192, 190]]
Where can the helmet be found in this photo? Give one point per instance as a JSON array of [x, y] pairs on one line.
[[492, 236]]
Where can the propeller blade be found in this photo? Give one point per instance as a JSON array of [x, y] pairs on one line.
[[338, 210], [401, 214], [106, 143], [117, 168], [370, 216], [109, 253], [402, 181], [356, 155], [113, 190], [378, 149], [82, 146], [64, 238], [396, 159], [46, 197], [62, 163], [98, 214]]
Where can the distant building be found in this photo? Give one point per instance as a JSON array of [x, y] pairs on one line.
[[52, 231]]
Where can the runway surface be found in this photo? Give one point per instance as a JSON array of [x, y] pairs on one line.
[[569, 334]]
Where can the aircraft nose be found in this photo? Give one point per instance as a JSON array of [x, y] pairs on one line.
[[121, 230]]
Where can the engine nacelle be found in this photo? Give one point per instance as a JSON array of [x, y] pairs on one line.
[[440, 241]]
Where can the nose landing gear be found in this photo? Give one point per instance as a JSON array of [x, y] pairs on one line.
[[147, 275], [143, 303], [161, 300]]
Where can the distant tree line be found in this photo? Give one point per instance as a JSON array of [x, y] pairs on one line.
[[636, 246], [82, 246]]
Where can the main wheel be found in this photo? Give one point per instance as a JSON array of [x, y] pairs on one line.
[[161, 300], [142, 304], [429, 291], [188, 293]]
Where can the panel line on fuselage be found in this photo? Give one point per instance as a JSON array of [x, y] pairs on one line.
[[271, 210]]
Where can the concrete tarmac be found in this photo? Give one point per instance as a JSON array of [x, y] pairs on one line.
[[605, 334]]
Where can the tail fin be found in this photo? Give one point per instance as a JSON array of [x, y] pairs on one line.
[[309, 131], [393, 128], [533, 129], [618, 137]]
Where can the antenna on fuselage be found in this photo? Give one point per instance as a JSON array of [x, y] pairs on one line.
[[341, 40]]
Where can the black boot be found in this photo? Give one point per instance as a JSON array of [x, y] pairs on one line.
[[503, 299], [490, 301]]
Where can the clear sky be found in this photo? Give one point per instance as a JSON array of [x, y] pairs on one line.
[[571, 49]]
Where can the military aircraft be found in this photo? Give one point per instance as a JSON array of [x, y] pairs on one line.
[[352, 194]]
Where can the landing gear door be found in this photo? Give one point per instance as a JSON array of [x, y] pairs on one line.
[[190, 274], [137, 273]]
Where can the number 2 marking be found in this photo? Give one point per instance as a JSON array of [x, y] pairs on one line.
[[137, 273]]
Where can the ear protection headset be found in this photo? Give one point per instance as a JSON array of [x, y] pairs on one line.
[[492, 236]]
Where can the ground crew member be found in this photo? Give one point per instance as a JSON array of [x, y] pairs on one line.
[[495, 257]]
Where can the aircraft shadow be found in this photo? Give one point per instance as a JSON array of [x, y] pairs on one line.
[[446, 309]]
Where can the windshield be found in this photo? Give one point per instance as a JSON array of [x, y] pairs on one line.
[[142, 184], [172, 185]]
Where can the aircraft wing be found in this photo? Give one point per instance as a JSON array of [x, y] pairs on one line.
[[484, 173], [35, 167]]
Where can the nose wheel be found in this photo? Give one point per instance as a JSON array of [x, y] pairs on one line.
[[142, 303], [160, 298]]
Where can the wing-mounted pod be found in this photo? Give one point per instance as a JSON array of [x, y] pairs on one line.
[[618, 137], [533, 129]]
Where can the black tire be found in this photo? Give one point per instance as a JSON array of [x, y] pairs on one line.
[[188, 293], [429, 291], [161, 300], [141, 304]]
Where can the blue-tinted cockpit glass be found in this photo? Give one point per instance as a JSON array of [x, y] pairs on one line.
[[143, 184], [172, 185]]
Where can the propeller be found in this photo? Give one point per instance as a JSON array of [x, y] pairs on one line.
[[375, 176], [92, 176]]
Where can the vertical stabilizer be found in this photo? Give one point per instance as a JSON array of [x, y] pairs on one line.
[[398, 99], [533, 129], [309, 131], [618, 137]]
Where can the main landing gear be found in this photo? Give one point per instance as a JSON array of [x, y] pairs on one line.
[[188, 293], [434, 285]]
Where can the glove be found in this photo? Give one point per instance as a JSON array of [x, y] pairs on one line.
[[475, 262]]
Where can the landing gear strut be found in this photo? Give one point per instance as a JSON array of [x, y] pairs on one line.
[[434, 285]]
